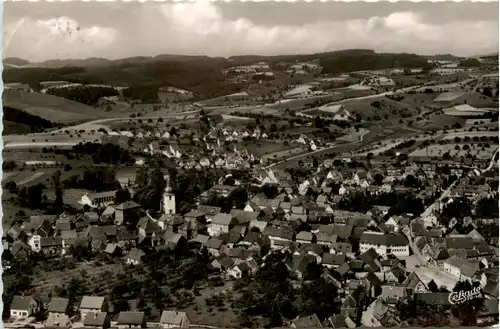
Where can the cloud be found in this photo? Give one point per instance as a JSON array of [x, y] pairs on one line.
[[56, 38], [201, 28]]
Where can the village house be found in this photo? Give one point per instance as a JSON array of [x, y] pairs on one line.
[[97, 320], [278, 237], [461, 268], [131, 320], [135, 256], [94, 304], [23, 307], [58, 313], [304, 237], [221, 223], [174, 319], [127, 212], [310, 321]]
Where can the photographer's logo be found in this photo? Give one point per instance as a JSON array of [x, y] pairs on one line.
[[461, 297]]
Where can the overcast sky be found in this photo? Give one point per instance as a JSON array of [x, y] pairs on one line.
[[49, 30]]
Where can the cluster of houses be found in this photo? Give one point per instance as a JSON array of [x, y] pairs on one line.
[[91, 312], [358, 249]]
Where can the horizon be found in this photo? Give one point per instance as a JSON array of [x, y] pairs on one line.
[[227, 58], [39, 32]]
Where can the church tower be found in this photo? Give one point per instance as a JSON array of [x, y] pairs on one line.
[[168, 202]]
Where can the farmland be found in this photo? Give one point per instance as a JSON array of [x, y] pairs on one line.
[[261, 148], [55, 109], [378, 108], [458, 150], [471, 134]]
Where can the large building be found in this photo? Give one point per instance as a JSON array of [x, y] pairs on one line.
[[385, 244]]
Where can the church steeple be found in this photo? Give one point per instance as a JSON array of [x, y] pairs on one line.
[[168, 200], [168, 188]]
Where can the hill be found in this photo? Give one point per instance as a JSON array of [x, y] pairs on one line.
[[20, 122], [51, 108], [15, 61], [201, 75], [443, 57]]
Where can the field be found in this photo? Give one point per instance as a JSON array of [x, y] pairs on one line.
[[484, 152], [438, 122], [284, 153], [48, 140], [417, 99], [262, 147], [381, 107], [55, 109], [471, 134], [354, 136]]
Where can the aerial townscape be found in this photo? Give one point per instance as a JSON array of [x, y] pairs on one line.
[[343, 189]]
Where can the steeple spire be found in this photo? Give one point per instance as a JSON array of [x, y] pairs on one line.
[[168, 188]]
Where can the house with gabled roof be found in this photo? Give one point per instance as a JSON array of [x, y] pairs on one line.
[[221, 223], [460, 268], [174, 319], [310, 321], [96, 320], [278, 237], [214, 246], [304, 237], [23, 307], [92, 304], [414, 284], [131, 320], [126, 212], [135, 256]]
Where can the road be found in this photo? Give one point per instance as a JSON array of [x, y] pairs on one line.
[[426, 270], [492, 162]]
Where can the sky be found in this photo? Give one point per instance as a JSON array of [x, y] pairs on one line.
[[38, 31]]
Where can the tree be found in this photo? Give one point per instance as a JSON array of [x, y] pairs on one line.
[[487, 207], [122, 196], [318, 123], [378, 178], [11, 186], [433, 286], [56, 182], [31, 197], [411, 181]]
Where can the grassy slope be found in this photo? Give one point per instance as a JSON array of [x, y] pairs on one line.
[[52, 108]]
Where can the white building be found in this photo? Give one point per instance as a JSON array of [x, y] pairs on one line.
[[23, 307], [168, 203], [96, 200], [384, 244]]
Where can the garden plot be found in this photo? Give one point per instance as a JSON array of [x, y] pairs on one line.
[[481, 151]]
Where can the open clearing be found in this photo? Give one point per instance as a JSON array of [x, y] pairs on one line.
[[484, 152]]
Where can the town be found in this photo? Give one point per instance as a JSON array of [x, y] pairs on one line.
[[290, 193]]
